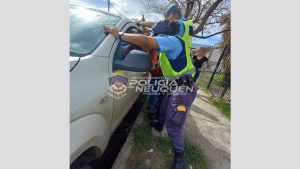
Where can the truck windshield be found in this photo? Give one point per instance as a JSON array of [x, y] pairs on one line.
[[86, 29]]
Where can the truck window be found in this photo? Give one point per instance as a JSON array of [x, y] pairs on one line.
[[124, 48], [86, 32]]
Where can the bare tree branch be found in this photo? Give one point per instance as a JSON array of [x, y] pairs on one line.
[[210, 23], [189, 7], [207, 14], [204, 37], [201, 11]]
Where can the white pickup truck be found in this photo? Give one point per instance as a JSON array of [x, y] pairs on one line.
[[94, 56]]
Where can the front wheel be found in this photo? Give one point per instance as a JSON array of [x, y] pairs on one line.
[[83, 161]]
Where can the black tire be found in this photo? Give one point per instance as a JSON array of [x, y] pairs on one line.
[[83, 161]]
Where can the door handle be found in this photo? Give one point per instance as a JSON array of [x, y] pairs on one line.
[[104, 99]]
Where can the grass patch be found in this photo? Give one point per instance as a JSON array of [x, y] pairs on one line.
[[144, 140], [222, 105], [142, 136], [219, 102], [164, 145], [195, 156], [202, 87], [161, 158], [218, 77]]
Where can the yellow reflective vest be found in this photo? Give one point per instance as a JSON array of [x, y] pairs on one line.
[[188, 32], [182, 64], [173, 69]]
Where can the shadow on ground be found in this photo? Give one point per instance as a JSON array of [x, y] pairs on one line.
[[207, 128]]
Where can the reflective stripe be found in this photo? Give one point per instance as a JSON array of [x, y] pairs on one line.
[[168, 66], [173, 69], [176, 77]]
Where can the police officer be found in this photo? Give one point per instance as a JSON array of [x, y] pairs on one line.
[[173, 12], [186, 25], [176, 65], [185, 32]]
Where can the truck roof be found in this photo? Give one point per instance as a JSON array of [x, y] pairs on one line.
[[98, 9]]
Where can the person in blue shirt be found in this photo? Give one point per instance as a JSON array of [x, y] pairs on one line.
[[186, 25], [156, 96], [170, 45], [185, 32], [175, 104], [173, 12]]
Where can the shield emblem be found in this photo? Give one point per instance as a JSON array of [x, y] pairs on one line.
[[118, 86]]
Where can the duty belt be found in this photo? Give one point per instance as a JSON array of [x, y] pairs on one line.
[[185, 80]]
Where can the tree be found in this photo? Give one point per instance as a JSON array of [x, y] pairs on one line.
[[226, 37], [226, 23], [206, 14]]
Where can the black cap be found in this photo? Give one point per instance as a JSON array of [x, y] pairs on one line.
[[172, 9]]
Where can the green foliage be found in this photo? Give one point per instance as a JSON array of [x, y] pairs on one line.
[[144, 140], [218, 78], [163, 154], [202, 87], [222, 105], [226, 23], [164, 144], [219, 102], [142, 136], [195, 156]]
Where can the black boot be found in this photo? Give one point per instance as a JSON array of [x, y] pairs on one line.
[[154, 113], [179, 161], [153, 116], [151, 111], [157, 125]]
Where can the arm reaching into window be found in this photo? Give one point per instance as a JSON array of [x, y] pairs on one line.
[[147, 30], [137, 39], [148, 24]]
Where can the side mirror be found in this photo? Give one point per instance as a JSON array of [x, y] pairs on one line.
[[136, 61]]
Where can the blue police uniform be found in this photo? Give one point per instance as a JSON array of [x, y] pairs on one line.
[[169, 112], [181, 28], [175, 105]]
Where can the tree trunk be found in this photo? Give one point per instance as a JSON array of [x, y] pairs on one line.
[[189, 8]]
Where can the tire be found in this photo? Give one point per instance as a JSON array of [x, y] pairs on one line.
[[83, 161]]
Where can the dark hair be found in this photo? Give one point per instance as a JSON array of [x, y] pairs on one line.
[[174, 27], [162, 27], [166, 28]]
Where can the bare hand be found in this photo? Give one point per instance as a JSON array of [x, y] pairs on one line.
[[112, 30], [134, 19], [143, 18]]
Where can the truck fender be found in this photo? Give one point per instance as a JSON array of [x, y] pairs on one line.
[[88, 131]]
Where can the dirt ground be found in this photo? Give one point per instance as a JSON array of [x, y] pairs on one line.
[[205, 127], [209, 130]]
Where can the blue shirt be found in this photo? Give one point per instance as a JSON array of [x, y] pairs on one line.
[[170, 45], [181, 28]]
